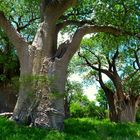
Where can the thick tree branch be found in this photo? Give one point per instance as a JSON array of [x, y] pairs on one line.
[[73, 22], [109, 64], [67, 16], [87, 29], [55, 7], [114, 60], [12, 34], [19, 28], [113, 75], [108, 91], [65, 23], [112, 68], [20, 25], [116, 80], [137, 61], [109, 74], [103, 86]]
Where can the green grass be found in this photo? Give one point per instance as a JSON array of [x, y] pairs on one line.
[[75, 129]]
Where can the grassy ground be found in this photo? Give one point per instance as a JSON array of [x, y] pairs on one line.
[[75, 129]]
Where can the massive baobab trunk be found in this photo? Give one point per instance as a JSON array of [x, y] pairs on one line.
[[42, 69], [41, 101]]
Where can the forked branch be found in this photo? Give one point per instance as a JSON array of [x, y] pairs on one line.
[[16, 39]]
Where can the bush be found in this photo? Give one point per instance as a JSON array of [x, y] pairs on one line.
[[77, 110], [80, 110]]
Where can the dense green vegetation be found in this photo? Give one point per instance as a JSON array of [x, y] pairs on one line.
[[75, 129]]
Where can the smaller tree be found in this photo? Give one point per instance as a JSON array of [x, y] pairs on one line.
[[116, 63]]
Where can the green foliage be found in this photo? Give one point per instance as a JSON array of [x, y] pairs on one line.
[[16, 6], [73, 87], [132, 85], [75, 129], [2, 78], [102, 47], [23, 14], [101, 99], [77, 110], [9, 64], [82, 11], [86, 108], [80, 105], [119, 13], [90, 128], [123, 14], [138, 115]]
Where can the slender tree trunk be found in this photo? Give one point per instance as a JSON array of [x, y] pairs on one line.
[[67, 108]]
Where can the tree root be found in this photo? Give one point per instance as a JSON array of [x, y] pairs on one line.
[[6, 114]]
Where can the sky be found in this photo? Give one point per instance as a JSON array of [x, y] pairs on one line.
[[89, 91]]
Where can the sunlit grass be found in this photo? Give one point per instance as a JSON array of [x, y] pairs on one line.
[[75, 129]]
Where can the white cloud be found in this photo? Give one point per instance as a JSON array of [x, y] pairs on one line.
[[75, 77], [90, 92]]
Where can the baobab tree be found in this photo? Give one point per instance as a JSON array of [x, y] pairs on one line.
[[123, 90], [41, 100]]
